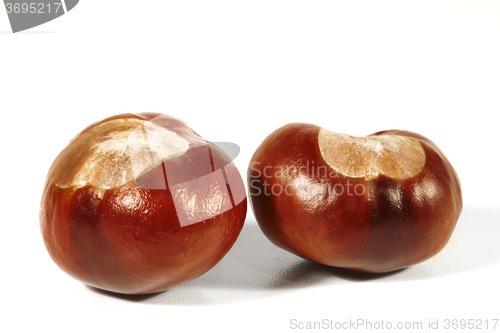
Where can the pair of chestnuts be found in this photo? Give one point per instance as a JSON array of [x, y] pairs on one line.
[[138, 203]]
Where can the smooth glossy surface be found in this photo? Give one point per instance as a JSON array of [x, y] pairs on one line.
[[369, 225], [169, 225]]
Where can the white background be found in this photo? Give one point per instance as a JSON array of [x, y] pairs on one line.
[[235, 71]]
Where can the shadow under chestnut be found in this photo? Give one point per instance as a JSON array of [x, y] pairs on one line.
[[256, 268]]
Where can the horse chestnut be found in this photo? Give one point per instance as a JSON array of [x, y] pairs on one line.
[[370, 204], [136, 204]]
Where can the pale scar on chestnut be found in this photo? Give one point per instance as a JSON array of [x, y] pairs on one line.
[[115, 152], [395, 156]]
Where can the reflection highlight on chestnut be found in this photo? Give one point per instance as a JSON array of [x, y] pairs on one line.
[[138, 203], [370, 204]]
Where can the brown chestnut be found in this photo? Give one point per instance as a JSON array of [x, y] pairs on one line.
[[138, 203], [370, 204]]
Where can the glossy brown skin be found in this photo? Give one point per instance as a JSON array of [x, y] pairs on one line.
[[129, 239], [392, 225]]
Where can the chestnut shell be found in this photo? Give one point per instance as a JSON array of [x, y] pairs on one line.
[[395, 223], [130, 239]]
